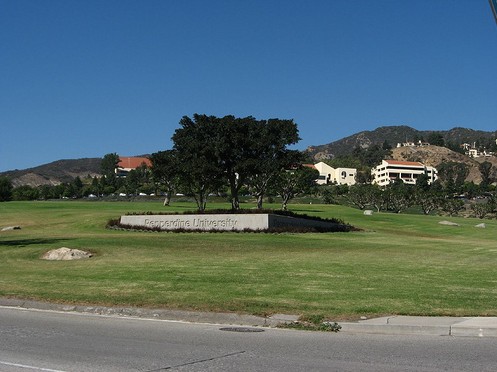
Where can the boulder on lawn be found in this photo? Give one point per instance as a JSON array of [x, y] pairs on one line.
[[448, 223], [65, 254], [9, 228]]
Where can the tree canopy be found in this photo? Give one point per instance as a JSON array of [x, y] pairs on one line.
[[199, 171], [109, 164], [5, 189], [212, 152], [164, 171]]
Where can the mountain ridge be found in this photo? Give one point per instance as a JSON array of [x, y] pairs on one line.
[[397, 134], [65, 170], [54, 173]]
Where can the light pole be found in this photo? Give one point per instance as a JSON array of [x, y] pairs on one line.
[[493, 5]]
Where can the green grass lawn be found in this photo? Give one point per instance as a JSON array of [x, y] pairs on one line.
[[397, 264]]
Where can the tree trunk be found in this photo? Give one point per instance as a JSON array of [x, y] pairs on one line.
[[167, 200], [201, 202], [260, 198], [284, 203], [235, 203], [234, 187]]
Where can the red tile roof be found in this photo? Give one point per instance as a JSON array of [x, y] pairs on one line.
[[309, 166], [133, 162]]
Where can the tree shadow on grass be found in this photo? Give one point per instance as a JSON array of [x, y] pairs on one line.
[[308, 211], [26, 242]]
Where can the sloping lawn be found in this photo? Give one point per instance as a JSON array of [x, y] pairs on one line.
[[396, 264]]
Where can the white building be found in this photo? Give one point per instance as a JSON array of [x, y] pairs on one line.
[[473, 152], [408, 171], [330, 175], [412, 144]]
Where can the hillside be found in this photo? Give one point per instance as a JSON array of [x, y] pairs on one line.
[[394, 135], [54, 173], [62, 171], [435, 155]]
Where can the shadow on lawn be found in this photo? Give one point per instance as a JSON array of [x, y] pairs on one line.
[[26, 242], [309, 211]]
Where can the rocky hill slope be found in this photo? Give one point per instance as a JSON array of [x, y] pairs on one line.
[[54, 173], [66, 170], [434, 156], [398, 134]]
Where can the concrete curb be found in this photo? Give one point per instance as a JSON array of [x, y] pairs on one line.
[[160, 314], [395, 329], [436, 326], [392, 325], [476, 327]]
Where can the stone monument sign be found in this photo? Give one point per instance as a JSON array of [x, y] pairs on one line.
[[221, 222]]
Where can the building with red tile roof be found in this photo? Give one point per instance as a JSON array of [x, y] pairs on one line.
[[127, 164], [408, 171]]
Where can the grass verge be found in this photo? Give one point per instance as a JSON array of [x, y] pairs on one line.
[[397, 264]]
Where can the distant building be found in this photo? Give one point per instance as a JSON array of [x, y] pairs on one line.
[[339, 176], [413, 144], [473, 152], [127, 164], [408, 171]]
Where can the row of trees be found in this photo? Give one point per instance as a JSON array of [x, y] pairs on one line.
[[235, 156], [210, 155], [138, 180], [398, 196]]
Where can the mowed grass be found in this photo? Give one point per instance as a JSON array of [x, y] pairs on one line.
[[397, 264]]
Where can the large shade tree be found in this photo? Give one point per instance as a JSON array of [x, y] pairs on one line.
[[236, 152], [293, 182], [272, 155], [165, 172], [212, 152], [251, 152], [199, 171]]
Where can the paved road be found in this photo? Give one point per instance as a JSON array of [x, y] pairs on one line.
[[50, 341]]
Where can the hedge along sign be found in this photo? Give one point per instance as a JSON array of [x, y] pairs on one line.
[[220, 222]]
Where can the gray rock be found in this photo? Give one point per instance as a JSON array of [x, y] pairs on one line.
[[481, 225], [448, 223], [9, 228], [65, 254]]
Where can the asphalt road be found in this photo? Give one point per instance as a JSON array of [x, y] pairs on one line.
[[50, 341]]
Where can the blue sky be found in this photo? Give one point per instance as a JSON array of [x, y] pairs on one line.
[[87, 78]]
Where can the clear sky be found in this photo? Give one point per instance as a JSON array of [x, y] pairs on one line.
[[86, 78]]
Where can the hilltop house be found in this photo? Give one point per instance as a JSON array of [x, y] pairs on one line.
[[413, 144], [408, 171], [127, 164], [473, 152]]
